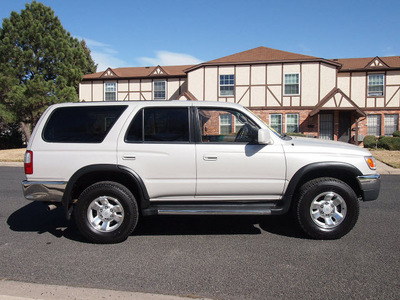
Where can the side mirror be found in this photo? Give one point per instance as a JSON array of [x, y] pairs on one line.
[[264, 137]]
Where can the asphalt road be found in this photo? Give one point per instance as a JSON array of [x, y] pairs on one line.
[[214, 257]]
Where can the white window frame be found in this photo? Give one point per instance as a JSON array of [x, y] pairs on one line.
[[106, 91], [224, 84], [237, 124], [297, 124], [154, 90], [391, 121], [229, 124], [374, 93], [284, 84], [377, 123], [281, 124]]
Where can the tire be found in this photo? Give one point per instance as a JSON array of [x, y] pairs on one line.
[[327, 208], [106, 212]]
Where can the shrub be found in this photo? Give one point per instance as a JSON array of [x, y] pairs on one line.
[[389, 143], [370, 141], [396, 133]]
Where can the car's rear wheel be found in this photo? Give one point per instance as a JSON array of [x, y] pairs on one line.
[[327, 208], [106, 212]]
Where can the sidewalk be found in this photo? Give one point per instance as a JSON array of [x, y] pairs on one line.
[[13, 290]]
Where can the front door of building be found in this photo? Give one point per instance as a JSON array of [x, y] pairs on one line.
[[344, 126], [326, 126]]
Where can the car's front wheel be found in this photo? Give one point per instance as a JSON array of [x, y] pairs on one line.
[[106, 212], [327, 208]]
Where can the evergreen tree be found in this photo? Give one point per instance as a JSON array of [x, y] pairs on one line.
[[40, 64]]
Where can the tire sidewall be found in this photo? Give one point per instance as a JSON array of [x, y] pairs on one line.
[[317, 187], [110, 189]]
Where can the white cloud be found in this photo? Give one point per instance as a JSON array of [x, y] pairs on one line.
[[106, 60], [165, 58], [104, 55]]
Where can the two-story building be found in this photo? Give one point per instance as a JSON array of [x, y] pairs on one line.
[[337, 99]]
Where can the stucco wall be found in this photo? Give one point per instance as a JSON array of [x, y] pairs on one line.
[[132, 89]]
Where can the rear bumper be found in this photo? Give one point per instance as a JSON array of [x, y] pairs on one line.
[[370, 186], [45, 191]]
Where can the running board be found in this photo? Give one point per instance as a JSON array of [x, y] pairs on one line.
[[211, 209]]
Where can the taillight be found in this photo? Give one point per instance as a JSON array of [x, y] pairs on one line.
[[28, 162]]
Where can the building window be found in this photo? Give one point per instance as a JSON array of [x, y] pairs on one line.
[[376, 83], [238, 124], [227, 85], [374, 125], [292, 84], [225, 124], [391, 124], [292, 123], [160, 88], [276, 122], [110, 91]]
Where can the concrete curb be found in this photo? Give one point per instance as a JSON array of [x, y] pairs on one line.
[[13, 290]]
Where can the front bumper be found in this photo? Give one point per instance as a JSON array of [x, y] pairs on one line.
[[370, 186], [45, 191]]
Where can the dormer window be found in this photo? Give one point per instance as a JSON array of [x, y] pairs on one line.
[[376, 83], [110, 91], [160, 90]]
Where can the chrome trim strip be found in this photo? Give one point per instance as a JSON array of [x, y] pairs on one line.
[[46, 191], [213, 212], [368, 178]]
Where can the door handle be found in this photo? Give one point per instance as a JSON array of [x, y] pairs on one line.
[[128, 157], [210, 157]]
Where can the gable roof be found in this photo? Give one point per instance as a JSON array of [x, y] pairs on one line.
[[139, 72], [262, 55], [369, 63], [337, 100]]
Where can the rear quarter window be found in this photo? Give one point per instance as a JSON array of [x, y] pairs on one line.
[[85, 124]]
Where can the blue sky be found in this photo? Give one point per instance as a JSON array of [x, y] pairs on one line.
[[142, 33]]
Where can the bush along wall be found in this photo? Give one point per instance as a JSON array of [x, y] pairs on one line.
[[389, 143], [384, 142], [370, 141]]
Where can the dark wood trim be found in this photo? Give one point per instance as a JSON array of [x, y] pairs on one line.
[[204, 83], [244, 95], [218, 83], [266, 84], [394, 94], [234, 91], [282, 84], [292, 61], [250, 85], [273, 95], [319, 82], [300, 84]]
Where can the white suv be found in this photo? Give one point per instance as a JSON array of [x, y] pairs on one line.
[[110, 163]]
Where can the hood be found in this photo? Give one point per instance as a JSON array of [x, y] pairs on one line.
[[309, 145]]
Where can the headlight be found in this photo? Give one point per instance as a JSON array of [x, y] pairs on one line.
[[371, 162]]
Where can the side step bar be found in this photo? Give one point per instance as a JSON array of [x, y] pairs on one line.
[[211, 209]]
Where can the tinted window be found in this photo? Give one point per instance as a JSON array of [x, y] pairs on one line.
[[226, 126], [85, 124], [160, 125]]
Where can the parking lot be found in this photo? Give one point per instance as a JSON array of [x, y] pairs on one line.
[[213, 257]]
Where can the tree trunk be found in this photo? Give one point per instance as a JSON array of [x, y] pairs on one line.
[[26, 132]]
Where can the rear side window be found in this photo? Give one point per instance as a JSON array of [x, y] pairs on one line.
[[159, 124], [85, 124]]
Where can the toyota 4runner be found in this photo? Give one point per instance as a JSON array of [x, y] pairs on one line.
[[110, 163]]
